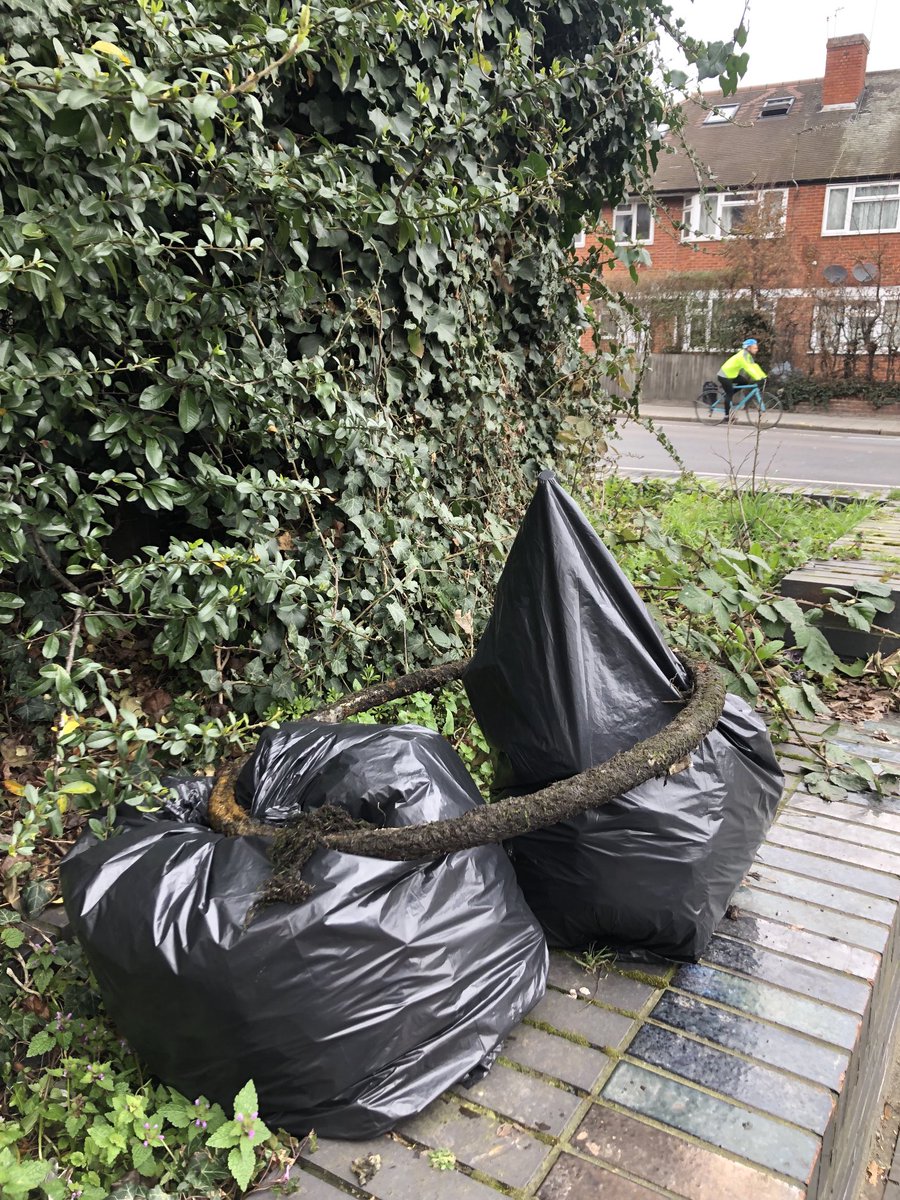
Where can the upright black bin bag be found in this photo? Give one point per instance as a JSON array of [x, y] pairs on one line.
[[572, 669], [349, 1011]]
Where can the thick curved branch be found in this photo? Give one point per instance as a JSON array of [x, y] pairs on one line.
[[666, 752], [649, 759], [224, 813], [426, 680]]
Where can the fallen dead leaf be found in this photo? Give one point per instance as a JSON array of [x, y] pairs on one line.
[[874, 1172], [464, 621], [364, 1168]]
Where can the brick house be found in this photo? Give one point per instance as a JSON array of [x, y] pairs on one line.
[[782, 221]]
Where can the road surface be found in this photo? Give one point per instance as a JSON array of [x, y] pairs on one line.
[[791, 457]]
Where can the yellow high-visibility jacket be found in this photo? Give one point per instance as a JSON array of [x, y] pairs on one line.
[[742, 361]]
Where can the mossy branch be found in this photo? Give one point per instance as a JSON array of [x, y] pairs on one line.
[[666, 752]]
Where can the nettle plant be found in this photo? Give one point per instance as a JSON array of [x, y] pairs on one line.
[[292, 320]]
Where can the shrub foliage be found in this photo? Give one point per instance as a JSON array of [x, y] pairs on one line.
[[292, 319]]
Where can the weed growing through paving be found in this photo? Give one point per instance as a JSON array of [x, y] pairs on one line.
[[442, 1160], [595, 959]]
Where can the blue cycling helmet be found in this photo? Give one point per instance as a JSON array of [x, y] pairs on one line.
[[749, 342]]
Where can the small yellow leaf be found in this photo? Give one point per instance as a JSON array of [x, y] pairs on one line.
[[112, 51], [62, 803], [69, 725], [219, 562], [16, 788]]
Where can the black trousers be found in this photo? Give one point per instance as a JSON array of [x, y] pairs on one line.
[[728, 387]]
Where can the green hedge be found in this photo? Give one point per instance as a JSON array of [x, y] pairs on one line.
[[818, 391], [293, 322]]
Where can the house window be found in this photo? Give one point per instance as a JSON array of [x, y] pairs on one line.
[[855, 328], [778, 106], [722, 114], [726, 214], [633, 222], [862, 208], [579, 240]]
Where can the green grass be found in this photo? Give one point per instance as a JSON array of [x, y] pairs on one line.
[[793, 528]]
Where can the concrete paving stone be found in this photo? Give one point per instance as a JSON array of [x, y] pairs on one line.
[[786, 834], [814, 947], [523, 1098], [669, 1161], [831, 987], [873, 883], [598, 1026], [555, 1056], [767, 1043], [814, 891], [760, 1139], [574, 1179], [405, 1174], [798, 913], [891, 1191], [301, 1185], [761, 1087], [606, 987], [844, 831], [497, 1148], [771, 1003], [859, 812]]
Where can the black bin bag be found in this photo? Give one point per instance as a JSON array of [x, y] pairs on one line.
[[350, 1011], [572, 669]]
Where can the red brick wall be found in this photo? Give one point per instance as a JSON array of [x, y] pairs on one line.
[[803, 253], [845, 69]]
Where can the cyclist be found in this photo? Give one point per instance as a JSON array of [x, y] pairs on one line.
[[738, 368]]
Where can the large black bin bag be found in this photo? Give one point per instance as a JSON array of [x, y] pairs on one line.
[[350, 1011], [572, 669]]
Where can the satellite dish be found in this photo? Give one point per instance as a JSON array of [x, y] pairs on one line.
[[865, 272], [835, 273]]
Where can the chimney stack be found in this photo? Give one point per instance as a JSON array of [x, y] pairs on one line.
[[845, 70]]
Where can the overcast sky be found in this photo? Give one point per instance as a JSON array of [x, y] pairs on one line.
[[787, 37]]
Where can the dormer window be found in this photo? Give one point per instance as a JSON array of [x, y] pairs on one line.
[[722, 114], [778, 106]]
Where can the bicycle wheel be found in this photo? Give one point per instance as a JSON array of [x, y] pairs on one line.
[[704, 411], [765, 412]]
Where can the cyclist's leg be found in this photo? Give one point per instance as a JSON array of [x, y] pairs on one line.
[[727, 386]]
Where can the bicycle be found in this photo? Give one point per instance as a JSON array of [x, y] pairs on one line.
[[764, 411]]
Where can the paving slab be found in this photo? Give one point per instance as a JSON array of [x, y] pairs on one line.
[[751, 1075]]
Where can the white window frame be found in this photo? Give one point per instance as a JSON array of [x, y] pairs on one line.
[[722, 114], [885, 324], [851, 189], [717, 202], [771, 102], [579, 240], [631, 207]]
